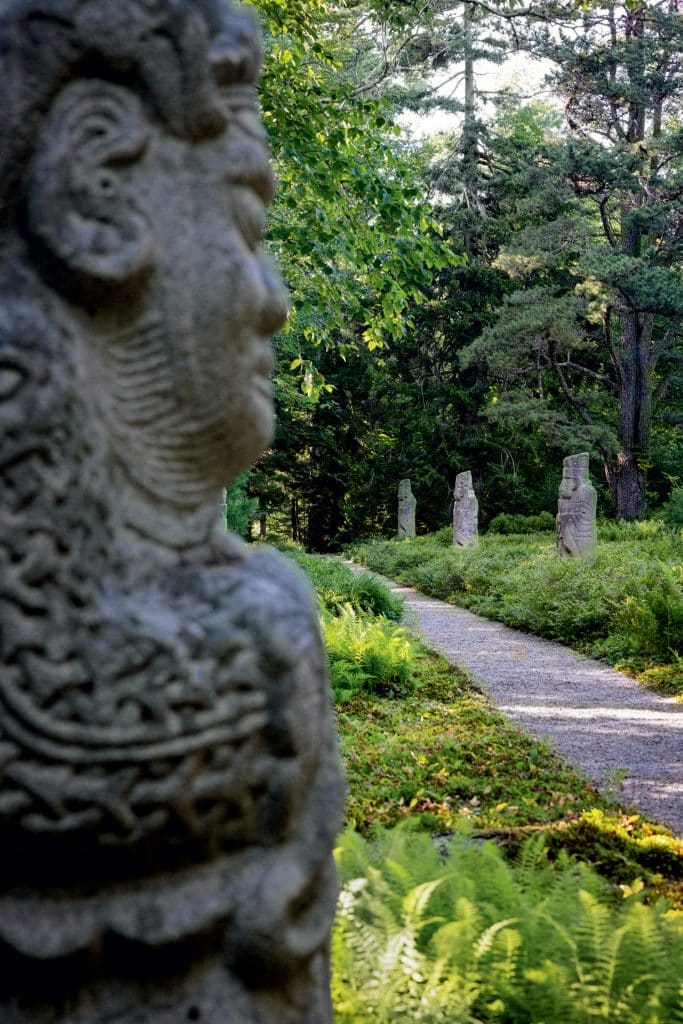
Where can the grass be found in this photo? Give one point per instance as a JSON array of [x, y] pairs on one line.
[[553, 903], [624, 603], [444, 755], [443, 759]]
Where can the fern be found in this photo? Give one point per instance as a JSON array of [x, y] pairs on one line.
[[472, 939], [373, 655]]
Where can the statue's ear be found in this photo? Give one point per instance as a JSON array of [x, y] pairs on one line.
[[82, 203]]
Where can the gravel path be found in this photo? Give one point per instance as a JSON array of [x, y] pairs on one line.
[[617, 731]]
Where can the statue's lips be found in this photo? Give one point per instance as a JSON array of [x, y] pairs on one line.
[[263, 369], [265, 361]]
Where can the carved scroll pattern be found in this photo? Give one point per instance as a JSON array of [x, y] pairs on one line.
[[127, 707]]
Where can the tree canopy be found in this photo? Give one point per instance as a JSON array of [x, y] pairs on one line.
[[493, 297]]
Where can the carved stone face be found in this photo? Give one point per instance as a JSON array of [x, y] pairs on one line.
[[156, 231], [404, 491], [170, 788], [463, 485], [221, 300], [568, 486]]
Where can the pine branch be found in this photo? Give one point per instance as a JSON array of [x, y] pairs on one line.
[[599, 377]]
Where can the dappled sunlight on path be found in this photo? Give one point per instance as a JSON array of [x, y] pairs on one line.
[[618, 732]]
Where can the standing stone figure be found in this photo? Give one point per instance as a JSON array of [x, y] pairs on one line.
[[577, 502], [406, 510], [169, 784], [465, 512]]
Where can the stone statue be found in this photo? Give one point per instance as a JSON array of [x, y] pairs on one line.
[[465, 512], [406, 510], [170, 789], [576, 524]]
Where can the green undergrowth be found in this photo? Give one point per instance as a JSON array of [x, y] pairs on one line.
[[473, 938], [482, 879], [623, 603], [442, 758], [506, 522], [443, 755], [338, 586], [368, 651], [367, 655]]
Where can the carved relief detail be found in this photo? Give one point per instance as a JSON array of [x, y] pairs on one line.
[[168, 772]]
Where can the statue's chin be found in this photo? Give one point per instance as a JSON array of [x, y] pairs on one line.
[[258, 435]]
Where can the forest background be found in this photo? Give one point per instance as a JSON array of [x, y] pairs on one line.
[[490, 298]]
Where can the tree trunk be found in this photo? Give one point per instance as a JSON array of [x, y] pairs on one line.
[[636, 328], [294, 510], [470, 142], [262, 527], [628, 487]]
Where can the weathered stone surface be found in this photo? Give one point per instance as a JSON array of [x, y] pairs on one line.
[[465, 512], [576, 508], [406, 510], [169, 785]]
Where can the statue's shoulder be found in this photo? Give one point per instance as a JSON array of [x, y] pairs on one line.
[[274, 594], [264, 569], [284, 575], [249, 588]]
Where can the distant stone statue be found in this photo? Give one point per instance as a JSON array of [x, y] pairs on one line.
[[406, 510], [169, 783], [576, 508], [465, 512]]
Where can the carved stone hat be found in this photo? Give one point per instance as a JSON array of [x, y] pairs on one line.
[[576, 466], [163, 44]]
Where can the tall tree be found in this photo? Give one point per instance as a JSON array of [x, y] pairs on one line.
[[353, 236], [602, 317]]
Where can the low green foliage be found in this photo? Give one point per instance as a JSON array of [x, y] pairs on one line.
[[639, 530], [623, 603], [443, 756], [367, 651], [510, 523], [338, 586], [672, 510], [471, 939], [369, 655], [629, 850]]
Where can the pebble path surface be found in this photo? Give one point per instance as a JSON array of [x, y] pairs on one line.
[[619, 733]]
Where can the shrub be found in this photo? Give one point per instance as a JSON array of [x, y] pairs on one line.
[[369, 655], [672, 510], [474, 939], [638, 530], [337, 585], [444, 536], [506, 523]]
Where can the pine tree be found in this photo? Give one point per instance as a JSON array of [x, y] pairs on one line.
[[584, 348]]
